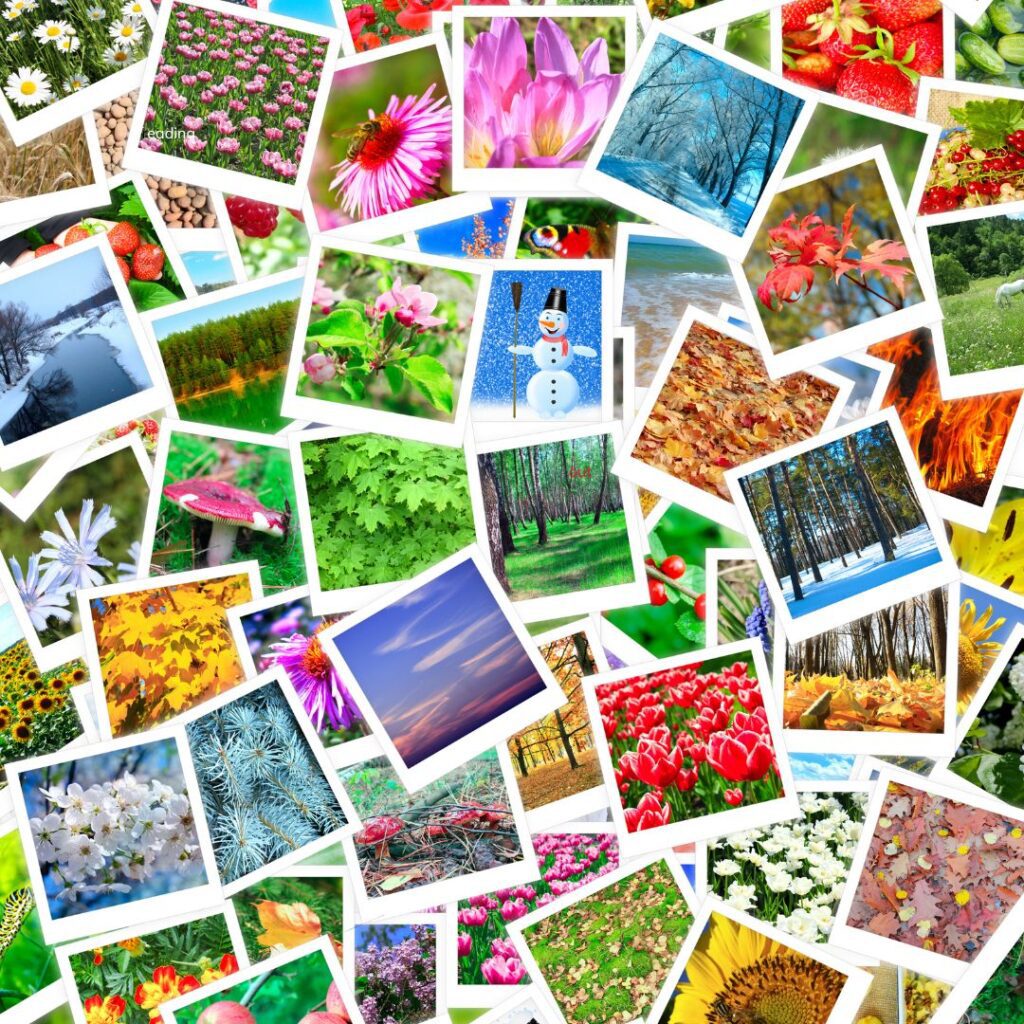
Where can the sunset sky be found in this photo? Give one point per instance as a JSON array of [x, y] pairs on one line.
[[439, 663]]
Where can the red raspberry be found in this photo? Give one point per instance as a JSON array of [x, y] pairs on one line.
[[150, 427], [251, 217]]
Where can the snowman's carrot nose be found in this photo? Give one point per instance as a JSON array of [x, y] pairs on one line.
[[547, 323]]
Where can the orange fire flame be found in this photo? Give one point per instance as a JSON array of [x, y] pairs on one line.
[[957, 442]]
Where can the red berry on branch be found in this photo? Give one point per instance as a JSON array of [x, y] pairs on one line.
[[657, 592], [674, 566], [700, 607]]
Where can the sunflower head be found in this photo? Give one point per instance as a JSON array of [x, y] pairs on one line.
[[975, 649], [22, 732]]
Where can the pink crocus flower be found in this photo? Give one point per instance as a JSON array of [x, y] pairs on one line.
[[320, 368], [465, 944], [515, 119], [412, 307], [500, 971]]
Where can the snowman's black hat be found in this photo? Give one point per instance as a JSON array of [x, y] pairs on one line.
[[556, 300]]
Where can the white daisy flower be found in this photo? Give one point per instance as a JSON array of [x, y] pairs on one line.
[[127, 32], [117, 56], [69, 44], [11, 13], [95, 13], [75, 82], [13, 37], [28, 87], [132, 9], [51, 31]]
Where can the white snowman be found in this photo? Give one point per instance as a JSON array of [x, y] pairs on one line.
[[553, 392]]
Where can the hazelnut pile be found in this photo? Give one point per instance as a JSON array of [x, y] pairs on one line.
[[183, 206]]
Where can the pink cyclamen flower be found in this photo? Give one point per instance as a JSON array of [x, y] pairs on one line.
[[401, 161], [411, 306], [227, 145], [320, 368], [465, 944], [515, 119], [500, 971]]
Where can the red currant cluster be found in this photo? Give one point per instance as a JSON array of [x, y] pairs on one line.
[[979, 176], [674, 567]]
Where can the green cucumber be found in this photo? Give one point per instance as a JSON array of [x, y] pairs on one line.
[[983, 26], [980, 54], [963, 66], [1005, 17], [1011, 48]]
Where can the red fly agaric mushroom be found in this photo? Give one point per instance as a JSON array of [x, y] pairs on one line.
[[378, 832], [229, 508]]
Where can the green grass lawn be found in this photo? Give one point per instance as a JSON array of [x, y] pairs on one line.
[[979, 335], [576, 557]]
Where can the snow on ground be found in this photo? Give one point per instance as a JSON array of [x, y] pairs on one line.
[[112, 326], [683, 192], [915, 550], [13, 398]]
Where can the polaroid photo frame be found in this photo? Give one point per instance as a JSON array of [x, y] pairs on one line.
[[85, 597], [37, 1005], [853, 992], [61, 651], [65, 953], [460, 995], [338, 872], [315, 947], [712, 558], [500, 180], [718, 16], [572, 601], [971, 91], [522, 1006], [192, 428], [371, 909], [363, 417], [435, 766], [553, 816], [142, 402], [343, 599], [883, 594], [638, 472], [23, 210], [442, 954], [238, 182], [717, 823], [275, 678], [443, 208], [135, 913], [621, 646], [865, 942], [730, 244], [975, 382], [849, 339], [152, 318], [79, 104], [941, 772], [625, 870], [881, 742], [488, 425], [362, 749]]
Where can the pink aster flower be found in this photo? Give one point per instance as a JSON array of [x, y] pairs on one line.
[[401, 161], [515, 119], [315, 679], [411, 306]]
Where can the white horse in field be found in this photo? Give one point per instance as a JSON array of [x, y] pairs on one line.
[[1004, 291]]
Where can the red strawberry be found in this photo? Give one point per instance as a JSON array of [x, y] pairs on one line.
[[77, 233], [44, 249], [842, 29], [123, 238], [796, 14], [819, 68], [150, 427], [126, 271], [122, 430], [147, 262], [252, 217], [879, 83], [897, 14], [926, 40], [799, 79]]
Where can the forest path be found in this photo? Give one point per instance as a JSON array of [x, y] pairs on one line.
[[576, 557], [555, 781], [915, 550]]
